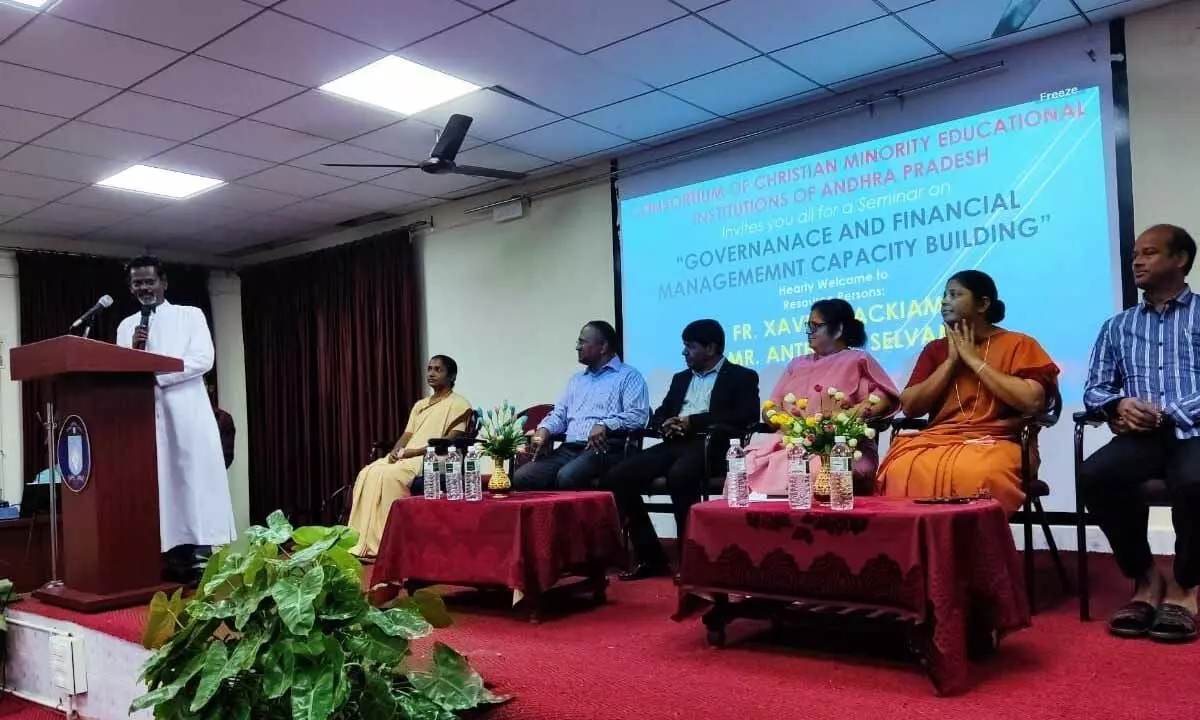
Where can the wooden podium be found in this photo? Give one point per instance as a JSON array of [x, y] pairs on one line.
[[110, 542]]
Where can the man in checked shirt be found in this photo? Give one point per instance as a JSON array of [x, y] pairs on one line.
[[1145, 378]]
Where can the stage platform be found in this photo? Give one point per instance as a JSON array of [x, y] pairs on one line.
[[627, 660]]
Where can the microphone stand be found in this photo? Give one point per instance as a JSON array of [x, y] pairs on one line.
[[87, 331], [52, 464]]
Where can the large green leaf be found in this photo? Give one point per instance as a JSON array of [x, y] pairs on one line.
[[211, 676], [296, 600], [311, 553], [160, 623], [344, 600], [430, 605], [246, 601], [279, 665], [399, 622], [168, 692], [230, 573], [312, 693], [277, 531], [311, 646], [451, 682], [351, 566], [414, 706], [311, 535], [376, 700], [373, 645], [216, 561], [335, 659]]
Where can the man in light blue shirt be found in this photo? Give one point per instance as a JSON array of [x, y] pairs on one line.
[[606, 396]]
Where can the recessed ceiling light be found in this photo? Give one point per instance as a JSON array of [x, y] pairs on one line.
[[156, 181], [399, 85], [30, 3]]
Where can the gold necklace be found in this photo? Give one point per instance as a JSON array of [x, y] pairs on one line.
[[974, 408]]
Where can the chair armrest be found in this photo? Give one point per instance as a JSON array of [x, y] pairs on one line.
[[643, 433], [761, 428], [908, 423], [1089, 417], [1044, 420]]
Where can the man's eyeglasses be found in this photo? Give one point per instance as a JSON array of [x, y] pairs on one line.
[[813, 328]]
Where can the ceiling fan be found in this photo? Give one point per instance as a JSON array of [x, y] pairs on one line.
[[441, 159]]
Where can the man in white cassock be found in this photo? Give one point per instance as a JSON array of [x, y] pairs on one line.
[[194, 507]]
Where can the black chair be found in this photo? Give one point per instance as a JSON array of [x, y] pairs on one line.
[[713, 482], [1153, 492], [1034, 488]]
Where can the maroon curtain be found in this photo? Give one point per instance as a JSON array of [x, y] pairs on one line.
[[331, 365], [55, 289]]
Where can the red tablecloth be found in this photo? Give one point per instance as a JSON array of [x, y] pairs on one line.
[[527, 541], [954, 565]]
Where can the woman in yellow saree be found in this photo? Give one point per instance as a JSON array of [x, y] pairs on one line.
[[444, 414]]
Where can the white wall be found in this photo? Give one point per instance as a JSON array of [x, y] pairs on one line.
[[10, 392], [507, 300], [1163, 53], [225, 289]]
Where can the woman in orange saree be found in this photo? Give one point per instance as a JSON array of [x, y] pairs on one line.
[[976, 385]]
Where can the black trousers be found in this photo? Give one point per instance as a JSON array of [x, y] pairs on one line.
[[681, 462], [1109, 482]]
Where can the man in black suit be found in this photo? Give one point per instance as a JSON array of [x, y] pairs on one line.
[[711, 393]]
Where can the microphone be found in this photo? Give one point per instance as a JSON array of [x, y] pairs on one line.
[[144, 325], [102, 303]]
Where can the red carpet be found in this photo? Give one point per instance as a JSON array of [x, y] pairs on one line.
[[126, 624], [14, 708], [629, 660]]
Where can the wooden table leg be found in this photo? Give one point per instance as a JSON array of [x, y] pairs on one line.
[[716, 619]]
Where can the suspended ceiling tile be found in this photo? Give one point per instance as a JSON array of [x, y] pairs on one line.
[[773, 24], [494, 115], [11, 206], [319, 211], [214, 85], [563, 140], [880, 43], [79, 215], [502, 158], [320, 113], [501, 54], [386, 24], [100, 141], [408, 139], [207, 162], [345, 153], [255, 139], [61, 165], [295, 51], [645, 116], [22, 125], [111, 199], [155, 116], [371, 197], [584, 25], [955, 24], [745, 85], [294, 181], [693, 47], [47, 93], [423, 183], [67, 48], [244, 197], [181, 24]]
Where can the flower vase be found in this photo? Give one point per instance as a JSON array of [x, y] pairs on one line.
[[499, 483], [821, 480]]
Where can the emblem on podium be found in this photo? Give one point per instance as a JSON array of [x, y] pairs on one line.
[[74, 454]]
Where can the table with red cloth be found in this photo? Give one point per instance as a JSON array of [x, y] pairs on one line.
[[952, 570], [526, 542]]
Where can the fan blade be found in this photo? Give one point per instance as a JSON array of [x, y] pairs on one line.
[[367, 165], [488, 172], [452, 137]]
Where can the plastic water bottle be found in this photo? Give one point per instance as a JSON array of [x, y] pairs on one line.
[[472, 478], [737, 491], [841, 478], [800, 484], [454, 478], [433, 474]]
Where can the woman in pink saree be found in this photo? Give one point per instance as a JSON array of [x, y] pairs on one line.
[[837, 360]]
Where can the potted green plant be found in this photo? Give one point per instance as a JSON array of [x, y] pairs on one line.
[[502, 435], [280, 627]]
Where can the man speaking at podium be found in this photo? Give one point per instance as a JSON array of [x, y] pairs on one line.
[[194, 508]]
